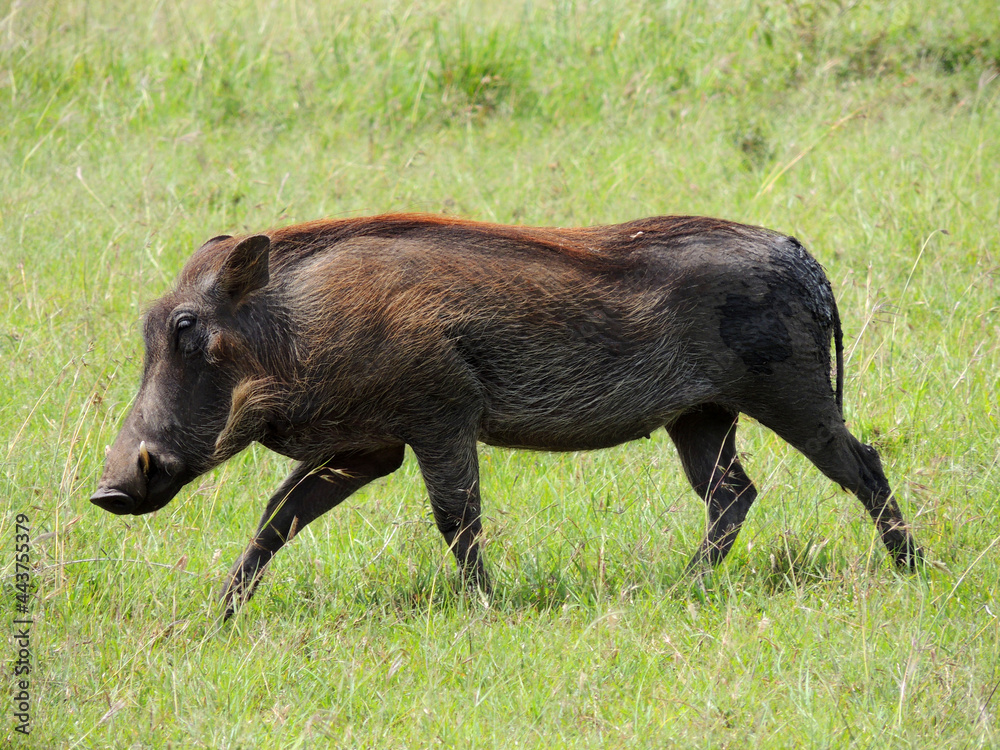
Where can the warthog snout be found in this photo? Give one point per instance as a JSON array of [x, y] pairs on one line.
[[114, 501], [137, 480]]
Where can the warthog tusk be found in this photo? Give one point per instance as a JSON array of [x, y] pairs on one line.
[[144, 457]]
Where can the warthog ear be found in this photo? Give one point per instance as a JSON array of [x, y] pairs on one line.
[[218, 238], [245, 268]]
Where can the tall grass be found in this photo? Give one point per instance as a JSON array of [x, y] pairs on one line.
[[130, 134]]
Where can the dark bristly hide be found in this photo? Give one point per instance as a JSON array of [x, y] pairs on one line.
[[337, 343]]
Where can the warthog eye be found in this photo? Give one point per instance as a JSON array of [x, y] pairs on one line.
[[184, 324]]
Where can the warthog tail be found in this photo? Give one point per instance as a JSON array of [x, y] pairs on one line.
[[838, 342]]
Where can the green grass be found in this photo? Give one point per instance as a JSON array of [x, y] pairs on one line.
[[129, 135]]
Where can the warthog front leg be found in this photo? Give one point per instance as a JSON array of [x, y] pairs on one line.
[[306, 494]]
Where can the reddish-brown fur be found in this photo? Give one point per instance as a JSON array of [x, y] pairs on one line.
[[340, 342]]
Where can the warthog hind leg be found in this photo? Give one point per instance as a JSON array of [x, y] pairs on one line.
[[706, 441], [451, 472], [819, 432]]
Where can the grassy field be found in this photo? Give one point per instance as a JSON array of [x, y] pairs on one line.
[[870, 131]]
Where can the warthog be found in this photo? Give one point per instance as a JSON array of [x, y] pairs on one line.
[[337, 343]]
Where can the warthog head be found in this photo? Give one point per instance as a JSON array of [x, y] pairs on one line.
[[186, 418]]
